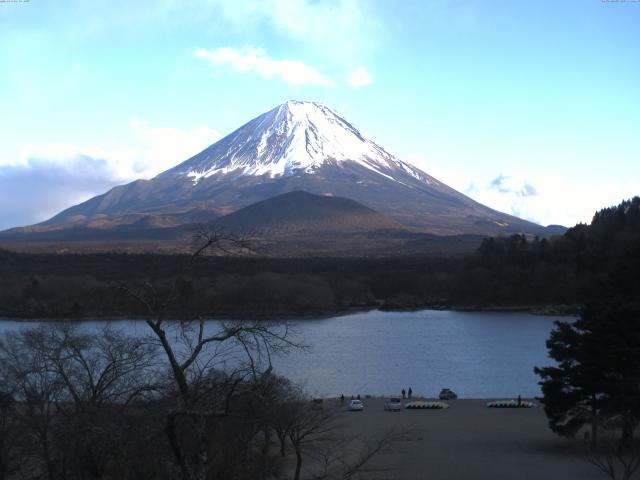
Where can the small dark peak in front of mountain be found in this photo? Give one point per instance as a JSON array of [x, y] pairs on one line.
[[299, 211]]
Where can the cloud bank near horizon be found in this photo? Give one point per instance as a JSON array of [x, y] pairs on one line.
[[40, 188], [50, 178], [543, 198]]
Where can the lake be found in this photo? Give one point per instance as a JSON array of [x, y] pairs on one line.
[[477, 354]]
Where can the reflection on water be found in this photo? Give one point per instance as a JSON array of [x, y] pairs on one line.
[[477, 354]]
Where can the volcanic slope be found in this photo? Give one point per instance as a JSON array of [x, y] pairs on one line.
[[301, 146]]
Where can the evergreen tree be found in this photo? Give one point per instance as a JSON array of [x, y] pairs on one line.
[[572, 391], [597, 376]]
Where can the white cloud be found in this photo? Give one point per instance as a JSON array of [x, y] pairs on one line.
[[340, 28], [344, 25], [250, 59], [116, 164], [48, 178], [360, 77], [511, 185], [544, 198], [152, 150], [163, 147], [455, 178], [558, 199], [39, 188]]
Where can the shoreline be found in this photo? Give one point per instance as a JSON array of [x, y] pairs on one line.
[[426, 398], [539, 310]]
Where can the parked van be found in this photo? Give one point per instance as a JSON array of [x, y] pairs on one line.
[[447, 394]]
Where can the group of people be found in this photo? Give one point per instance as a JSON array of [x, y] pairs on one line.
[[352, 398], [407, 393]]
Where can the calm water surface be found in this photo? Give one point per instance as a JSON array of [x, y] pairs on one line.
[[477, 354]]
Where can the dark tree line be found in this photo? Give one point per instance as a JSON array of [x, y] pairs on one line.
[[516, 271], [81, 286], [584, 264]]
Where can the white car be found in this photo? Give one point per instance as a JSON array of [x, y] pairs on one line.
[[356, 405], [392, 404]]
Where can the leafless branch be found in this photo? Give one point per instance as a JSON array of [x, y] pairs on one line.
[[614, 459]]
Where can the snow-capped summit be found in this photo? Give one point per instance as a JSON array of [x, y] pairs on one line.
[[295, 136], [298, 146]]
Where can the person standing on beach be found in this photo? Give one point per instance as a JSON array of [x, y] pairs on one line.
[[342, 399], [403, 393], [410, 392]]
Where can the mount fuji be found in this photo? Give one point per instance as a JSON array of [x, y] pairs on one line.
[[297, 146]]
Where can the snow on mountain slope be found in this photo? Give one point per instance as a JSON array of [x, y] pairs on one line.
[[303, 146], [295, 136]]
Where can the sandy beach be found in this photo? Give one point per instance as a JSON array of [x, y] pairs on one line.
[[468, 441]]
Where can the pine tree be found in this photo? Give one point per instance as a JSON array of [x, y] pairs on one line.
[[572, 391], [597, 376]]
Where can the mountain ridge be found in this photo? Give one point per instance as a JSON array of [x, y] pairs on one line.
[[301, 146]]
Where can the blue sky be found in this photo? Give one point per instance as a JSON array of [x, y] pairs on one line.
[[531, 107]]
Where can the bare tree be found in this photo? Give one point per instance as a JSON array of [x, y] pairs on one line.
[[108, 367], [617, 459], [71, 391], [193, 351], [308, 424], [279, 412], [101, 375], [344, 457], [30, 380], [10, 437]]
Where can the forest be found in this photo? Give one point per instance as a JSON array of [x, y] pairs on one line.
[[556, 274]]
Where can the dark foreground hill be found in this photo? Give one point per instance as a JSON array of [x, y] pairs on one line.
[[300, 212]]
